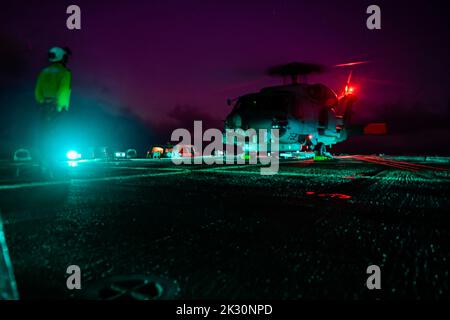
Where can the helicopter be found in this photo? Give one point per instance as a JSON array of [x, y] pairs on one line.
[[308, 116]]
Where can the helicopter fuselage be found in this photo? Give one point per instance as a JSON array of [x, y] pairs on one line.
[[306, 116]]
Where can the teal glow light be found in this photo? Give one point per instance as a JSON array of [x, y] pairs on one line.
[[73, 155]]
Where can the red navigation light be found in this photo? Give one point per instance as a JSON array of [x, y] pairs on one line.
[[349, 89]]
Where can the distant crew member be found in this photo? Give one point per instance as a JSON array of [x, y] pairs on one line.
[[52, 93]]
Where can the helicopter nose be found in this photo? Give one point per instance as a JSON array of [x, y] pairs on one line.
[[234, 121]]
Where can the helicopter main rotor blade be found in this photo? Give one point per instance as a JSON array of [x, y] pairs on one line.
[[351, 64]]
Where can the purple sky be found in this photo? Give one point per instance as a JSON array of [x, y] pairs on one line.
[[152, 56]]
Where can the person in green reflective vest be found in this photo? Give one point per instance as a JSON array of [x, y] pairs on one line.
[[52, 93]]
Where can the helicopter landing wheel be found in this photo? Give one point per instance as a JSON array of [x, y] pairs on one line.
[[320, 149]]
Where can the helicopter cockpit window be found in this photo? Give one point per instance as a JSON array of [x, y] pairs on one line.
[[322, 95], [282, 101]]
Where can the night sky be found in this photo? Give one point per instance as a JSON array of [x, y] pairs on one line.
[[166, 63]]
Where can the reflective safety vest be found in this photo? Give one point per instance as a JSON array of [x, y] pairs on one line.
[[54, 84]]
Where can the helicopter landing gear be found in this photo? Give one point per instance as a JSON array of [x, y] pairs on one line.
[[320, 149], [321, 153]]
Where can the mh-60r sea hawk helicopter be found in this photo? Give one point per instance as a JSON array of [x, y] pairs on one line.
[[308, 116]]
